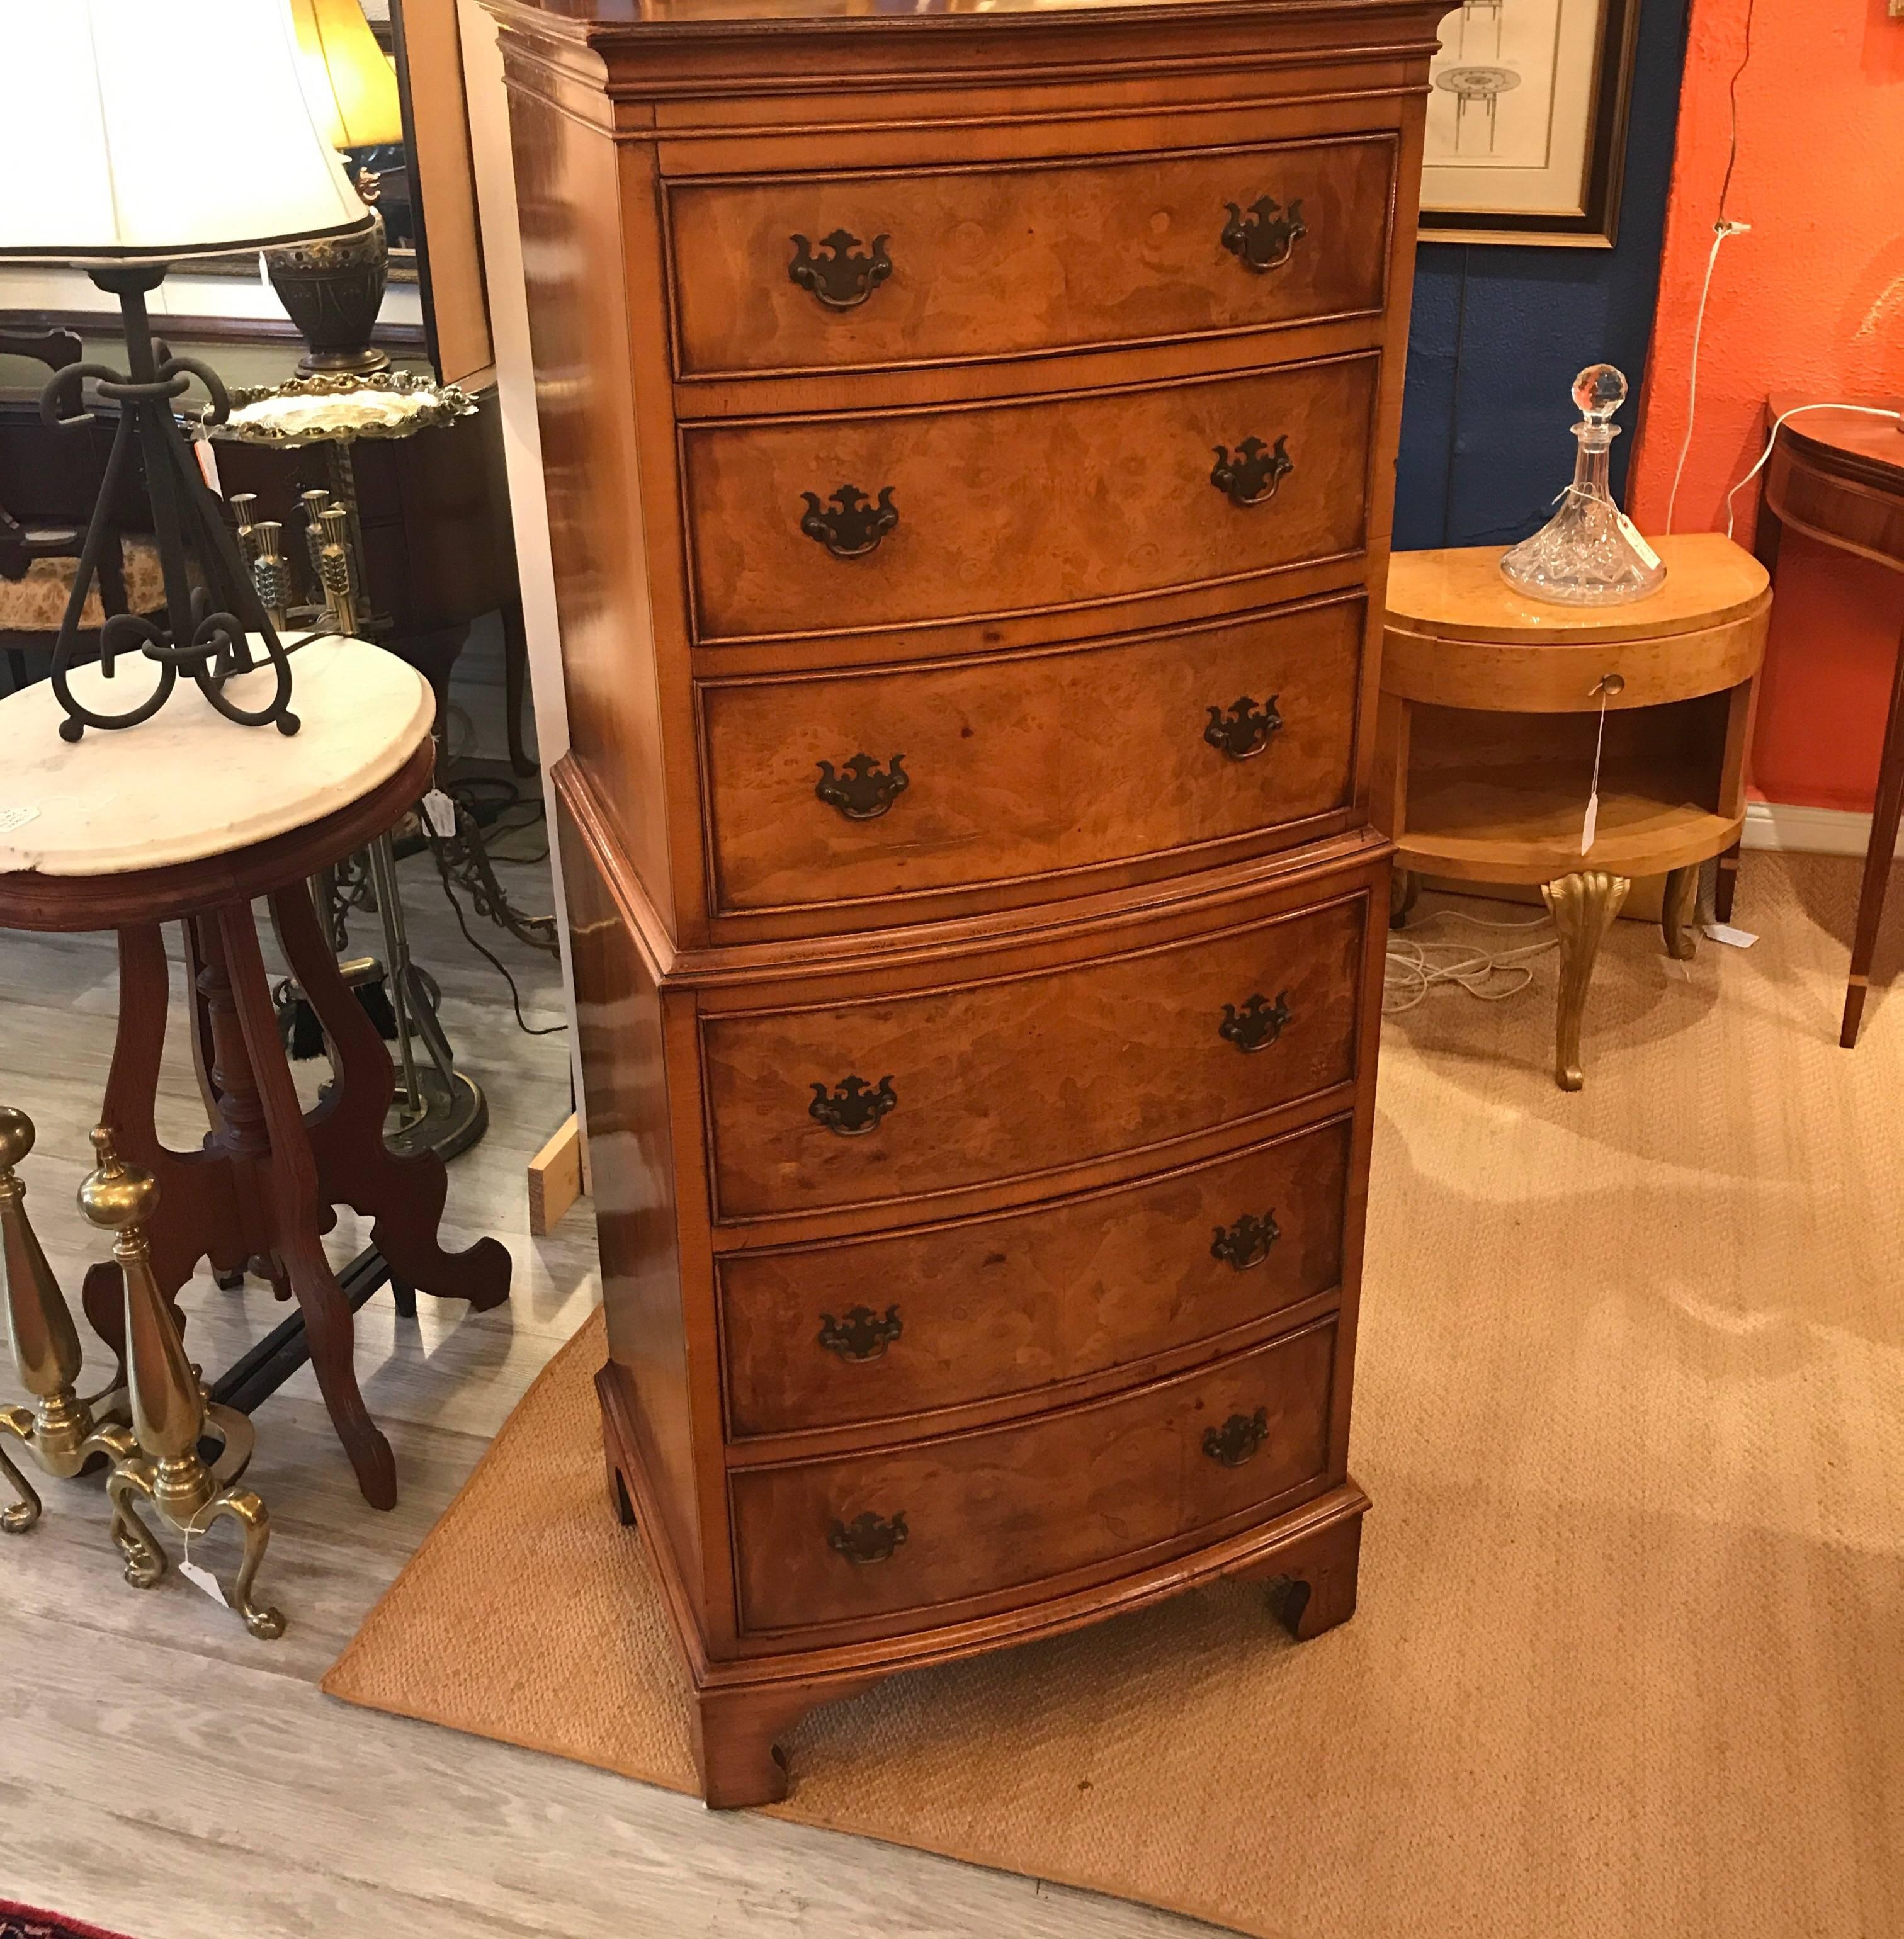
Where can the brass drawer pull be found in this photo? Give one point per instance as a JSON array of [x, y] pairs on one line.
[[852, 525], [1239, 1439], [1255, 474], [1263, 239], [842, 278], [862, 1335], [868, 1539], [860, 792], [1257, 1024], [854, 1108], [1246, 1243], [1244, 731]]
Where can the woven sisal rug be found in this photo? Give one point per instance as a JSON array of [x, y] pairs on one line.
[[1631, 1409]]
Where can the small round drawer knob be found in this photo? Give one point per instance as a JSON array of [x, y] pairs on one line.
[[1262, 237], [1244, 731], [851, 525], [868, 1539], [1246, 1243], [844, 275], [862, 1335], [1238, 1439], [1254, 473], [1258, 1024], [853, 1107], [859, 791]]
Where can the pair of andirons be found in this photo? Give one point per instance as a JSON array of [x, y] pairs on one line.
[[331, 578], [154, 1423]]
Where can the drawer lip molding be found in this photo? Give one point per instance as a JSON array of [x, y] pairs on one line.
[[676, 192], [1145, 1408], [740, 1142], [1339, 517], [1278, 645], [1325, 1146]]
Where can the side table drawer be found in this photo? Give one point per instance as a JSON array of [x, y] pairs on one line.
[[843, 787], [846, 1332], [954, 264], [939, 1522]]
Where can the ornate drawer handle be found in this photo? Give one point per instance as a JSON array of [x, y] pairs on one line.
[[1255, 1027], [1246, 1243], [869, 1539], [855, 1108], [1239, 1439], [1254, 475], [852, 525], [862, 1335], [861, 793], [1263, 239], [843, 279], [1245, 729]]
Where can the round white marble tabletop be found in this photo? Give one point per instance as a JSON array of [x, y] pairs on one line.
[[189, 784]]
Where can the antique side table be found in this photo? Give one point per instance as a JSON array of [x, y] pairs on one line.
[[1838, 476], [187, 818], [1491, 711]]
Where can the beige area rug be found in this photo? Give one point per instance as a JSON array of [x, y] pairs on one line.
[[1630, 1656]]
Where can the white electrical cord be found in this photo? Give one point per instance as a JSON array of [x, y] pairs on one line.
[[1722, 230], [1411, 972]]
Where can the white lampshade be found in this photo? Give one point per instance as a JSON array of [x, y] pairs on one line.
[[147, 130]]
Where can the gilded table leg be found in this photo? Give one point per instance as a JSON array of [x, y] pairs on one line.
[[1676, 912], [1583, 907]]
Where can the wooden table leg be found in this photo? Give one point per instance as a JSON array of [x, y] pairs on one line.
[[404, 1195], [1726, 886], [287, 1179], [1583, 907], [1677, 911], [1877, 859]]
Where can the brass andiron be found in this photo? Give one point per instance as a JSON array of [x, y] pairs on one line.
[[168, 1411], [62, 1432]]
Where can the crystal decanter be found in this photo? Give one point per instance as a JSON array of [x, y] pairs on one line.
[[1588, 553]]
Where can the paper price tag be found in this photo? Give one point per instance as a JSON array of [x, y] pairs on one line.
[[440, 811], [1648, 557], [11, 818], [1591, 826], [208, 463], [1733, 939], [204, 1580]]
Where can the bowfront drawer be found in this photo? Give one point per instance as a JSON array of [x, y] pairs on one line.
[[848, 787], [939, 1522], [801, 527], [830, 1335], [952, 265], [953, 1084]]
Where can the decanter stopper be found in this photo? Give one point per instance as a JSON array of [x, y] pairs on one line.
[[1588, 553]]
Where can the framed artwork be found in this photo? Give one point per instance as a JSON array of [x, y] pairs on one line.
[[1527, 122]]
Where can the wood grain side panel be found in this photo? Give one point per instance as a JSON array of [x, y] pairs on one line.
[[1010, 1305], [1007, 259], [1069, 502], [618, 1010], [1007, 1508], [1028, 765], [1030, 1073]]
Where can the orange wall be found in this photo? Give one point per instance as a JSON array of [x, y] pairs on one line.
[[1811, 301]]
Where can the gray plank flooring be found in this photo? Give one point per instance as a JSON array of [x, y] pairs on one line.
[[165, 1775]]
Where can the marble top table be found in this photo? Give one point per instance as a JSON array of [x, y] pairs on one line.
[[188, 818]]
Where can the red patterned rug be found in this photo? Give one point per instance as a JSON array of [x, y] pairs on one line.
[[24, 1922]]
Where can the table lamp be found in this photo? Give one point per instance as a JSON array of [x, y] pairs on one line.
[[139, 133], [332, 288]]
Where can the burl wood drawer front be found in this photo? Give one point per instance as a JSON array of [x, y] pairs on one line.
[[884, 1098], [825, 1336], [850, 786], [807, 527], [939, 1522], [952, 265]]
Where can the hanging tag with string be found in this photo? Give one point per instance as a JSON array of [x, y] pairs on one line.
[[196, 1573], [208, 459], [1608, 686]]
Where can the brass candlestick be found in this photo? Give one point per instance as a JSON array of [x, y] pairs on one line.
[[63, 1433], [168, 1407]]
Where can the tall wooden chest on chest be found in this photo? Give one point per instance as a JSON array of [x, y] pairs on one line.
[[970, 438]]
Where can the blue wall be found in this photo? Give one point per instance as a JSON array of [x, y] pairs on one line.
[[1499, 334]]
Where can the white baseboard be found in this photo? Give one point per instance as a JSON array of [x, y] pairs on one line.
[[1808, 831]]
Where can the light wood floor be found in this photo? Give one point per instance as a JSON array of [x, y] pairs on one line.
[[164, 1775]]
